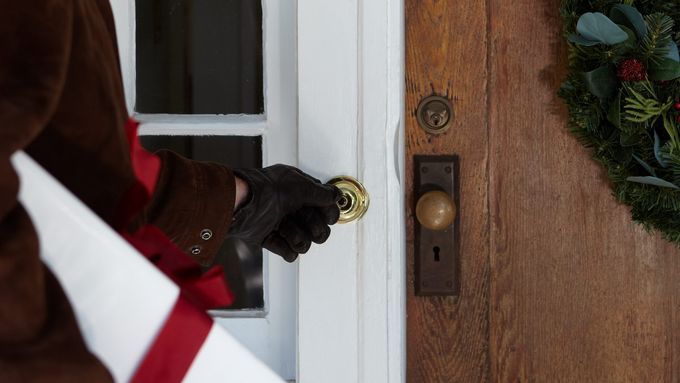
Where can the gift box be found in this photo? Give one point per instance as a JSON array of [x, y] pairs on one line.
[[132, 316]]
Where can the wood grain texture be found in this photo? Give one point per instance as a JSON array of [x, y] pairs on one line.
[[557, 284], [447, 338], [578, 292]]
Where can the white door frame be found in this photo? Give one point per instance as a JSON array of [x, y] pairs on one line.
[[351, 308]]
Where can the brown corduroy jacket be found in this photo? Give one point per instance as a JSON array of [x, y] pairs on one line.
[[61, 100]]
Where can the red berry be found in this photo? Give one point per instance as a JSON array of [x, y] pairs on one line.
[[677, 106], [631, 70]]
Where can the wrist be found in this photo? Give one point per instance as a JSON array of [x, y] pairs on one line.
[[242, 191]]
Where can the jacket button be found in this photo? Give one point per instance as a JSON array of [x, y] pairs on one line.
[[206, 234], [196, 250]]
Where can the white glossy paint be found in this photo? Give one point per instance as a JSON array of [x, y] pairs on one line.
[[352, 292], [222, 359], [202, 125], [328, 124]]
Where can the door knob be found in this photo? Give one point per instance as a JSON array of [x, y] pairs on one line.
[[436, 225], [354, 202], [435, 210]]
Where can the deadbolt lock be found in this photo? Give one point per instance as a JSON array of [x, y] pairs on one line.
[[355, 200], [435, 114]]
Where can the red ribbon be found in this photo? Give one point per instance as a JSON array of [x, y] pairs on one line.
[[207, 290], [187, 326], [176, 346]]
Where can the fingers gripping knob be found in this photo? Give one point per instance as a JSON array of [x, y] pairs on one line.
[[435, 210], [354, 201]]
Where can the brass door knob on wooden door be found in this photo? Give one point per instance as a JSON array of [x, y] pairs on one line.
[[436, 226], [435, 210], [355, 199]]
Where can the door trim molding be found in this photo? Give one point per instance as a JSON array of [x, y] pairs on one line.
[[359, 43]]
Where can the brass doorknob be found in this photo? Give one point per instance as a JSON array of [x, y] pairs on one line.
[[354, 202], [435, 210]]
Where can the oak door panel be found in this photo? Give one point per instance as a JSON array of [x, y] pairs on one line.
[[448, 337], [557, 284], [578, 292]]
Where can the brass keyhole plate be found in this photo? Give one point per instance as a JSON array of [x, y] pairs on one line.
[[355, 200], [435, 114]]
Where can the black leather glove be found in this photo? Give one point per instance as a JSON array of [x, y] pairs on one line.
[[286, 210]]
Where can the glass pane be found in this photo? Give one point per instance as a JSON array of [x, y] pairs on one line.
[[242, 263], [199, 56]]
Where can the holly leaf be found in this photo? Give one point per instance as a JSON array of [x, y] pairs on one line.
[[622, 154], [614, 115], [595, 26], [630, 17], [667, 69], [631, 43], [653, 181], [629, 138], [601, 82]]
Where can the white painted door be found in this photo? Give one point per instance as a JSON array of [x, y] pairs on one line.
[[333, 74], [270, 332], [351, 291]]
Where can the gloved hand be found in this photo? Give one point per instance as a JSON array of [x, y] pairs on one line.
[[286, 210]]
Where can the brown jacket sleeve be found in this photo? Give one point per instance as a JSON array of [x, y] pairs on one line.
[[39, 338], [193, 204]]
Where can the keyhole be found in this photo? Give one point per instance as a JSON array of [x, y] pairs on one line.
[[436, 253], [343, 203]]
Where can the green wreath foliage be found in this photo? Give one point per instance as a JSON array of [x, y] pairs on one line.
[[623, 96]]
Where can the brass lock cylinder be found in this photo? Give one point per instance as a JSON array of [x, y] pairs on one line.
[[355, 199], [435, 114]]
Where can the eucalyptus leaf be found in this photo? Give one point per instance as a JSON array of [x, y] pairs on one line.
[[595, 26], [673, 53], [653, 181], [601, 82], [667, 69], [580, 40], [645, 165], [629, 138], [657, 151], [630, 17]]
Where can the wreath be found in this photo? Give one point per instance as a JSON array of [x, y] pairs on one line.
[[623, 96]]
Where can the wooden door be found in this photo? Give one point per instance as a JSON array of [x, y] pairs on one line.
[[557, 283]]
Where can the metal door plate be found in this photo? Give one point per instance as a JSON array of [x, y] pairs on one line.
[[436, 252]]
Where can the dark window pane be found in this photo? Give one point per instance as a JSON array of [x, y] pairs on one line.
[[199, 56], [242, 263]]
